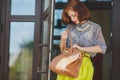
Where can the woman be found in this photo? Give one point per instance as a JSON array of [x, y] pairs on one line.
[[86, 36]]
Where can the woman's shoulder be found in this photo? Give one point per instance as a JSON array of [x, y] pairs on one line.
[[94, 25]]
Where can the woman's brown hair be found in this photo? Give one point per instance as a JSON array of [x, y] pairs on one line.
[[77, 6]]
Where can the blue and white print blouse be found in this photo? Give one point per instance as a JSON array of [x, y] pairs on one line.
[[92, 36]]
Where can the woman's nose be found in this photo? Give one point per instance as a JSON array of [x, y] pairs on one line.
[[72, 18]]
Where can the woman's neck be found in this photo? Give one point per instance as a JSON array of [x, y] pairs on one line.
[[82, 22]]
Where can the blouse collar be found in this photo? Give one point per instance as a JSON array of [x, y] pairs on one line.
[[83, 24], [82, 27]]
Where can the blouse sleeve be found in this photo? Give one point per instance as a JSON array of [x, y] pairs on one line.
[[98, 39]]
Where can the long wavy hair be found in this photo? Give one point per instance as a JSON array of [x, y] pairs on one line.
[[77, 6]]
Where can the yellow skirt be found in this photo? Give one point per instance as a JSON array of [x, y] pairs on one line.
[[85, 73]]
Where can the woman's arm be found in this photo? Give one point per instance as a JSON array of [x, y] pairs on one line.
[[62, 44], [93, 49], [64, 37]]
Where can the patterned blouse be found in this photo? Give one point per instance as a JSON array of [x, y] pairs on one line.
[[91, 36]]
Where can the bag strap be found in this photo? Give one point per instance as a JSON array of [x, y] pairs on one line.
[[69, 32]]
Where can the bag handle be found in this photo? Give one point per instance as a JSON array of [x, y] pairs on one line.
[[68, 31]]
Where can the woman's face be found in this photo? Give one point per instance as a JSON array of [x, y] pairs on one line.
[[73, 16]]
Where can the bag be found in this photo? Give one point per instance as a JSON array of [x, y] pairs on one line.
[[67, 63]]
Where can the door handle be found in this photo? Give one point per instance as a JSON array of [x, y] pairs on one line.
[[40, 71]]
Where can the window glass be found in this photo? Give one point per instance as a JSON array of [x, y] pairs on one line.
[[46, 4], [58, 26], [23, 7], [58, 16], [57, 32], [21, 50], [61, 0]]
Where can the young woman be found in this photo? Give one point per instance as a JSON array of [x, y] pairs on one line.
[[86, 36]]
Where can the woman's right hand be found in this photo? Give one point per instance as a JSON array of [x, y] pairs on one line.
[[64, 34]]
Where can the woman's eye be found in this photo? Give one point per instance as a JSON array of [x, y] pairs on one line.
[[72, 16]]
